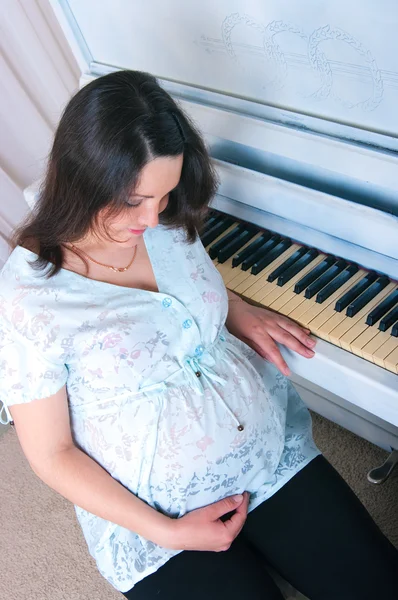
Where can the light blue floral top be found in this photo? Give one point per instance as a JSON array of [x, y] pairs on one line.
[[160, 394]]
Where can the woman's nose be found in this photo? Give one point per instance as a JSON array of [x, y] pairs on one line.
[[150, 217]]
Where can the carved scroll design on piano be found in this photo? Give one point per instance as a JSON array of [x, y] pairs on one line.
[[316, 57], [319, 62], [270, 47]]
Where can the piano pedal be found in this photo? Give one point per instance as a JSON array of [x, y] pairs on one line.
[[380, 474]]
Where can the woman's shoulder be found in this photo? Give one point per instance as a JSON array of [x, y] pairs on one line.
[[18, 269], [21, 283]]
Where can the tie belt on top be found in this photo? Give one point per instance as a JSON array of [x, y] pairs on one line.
[[196, 370]]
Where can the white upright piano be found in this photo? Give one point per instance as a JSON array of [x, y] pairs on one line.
[[298, 104]]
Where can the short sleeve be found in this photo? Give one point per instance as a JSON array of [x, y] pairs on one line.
[[25, 373]]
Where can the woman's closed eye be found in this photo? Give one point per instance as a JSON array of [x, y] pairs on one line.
[[134, 204]]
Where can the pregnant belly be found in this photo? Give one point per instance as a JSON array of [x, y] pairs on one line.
[[199, 454], [192, 443]]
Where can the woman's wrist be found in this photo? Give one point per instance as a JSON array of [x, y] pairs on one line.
[[166, 532], [235, 306]]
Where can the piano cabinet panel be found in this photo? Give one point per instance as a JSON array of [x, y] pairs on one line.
[[321, 60], [347, 415]]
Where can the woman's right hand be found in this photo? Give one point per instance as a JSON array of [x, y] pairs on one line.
[[203, 529]]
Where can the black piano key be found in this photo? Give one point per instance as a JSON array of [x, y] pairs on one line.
[[251, 249], [355, 291], [225, 240], [211, 220], [260, 253], [314, 274], [336, 283], [302, 262], [324, 279], [227, 251], [367, 296], [286, 264], [271, 256], [389, 319], [394, 330], [220, 226], [380, 310]]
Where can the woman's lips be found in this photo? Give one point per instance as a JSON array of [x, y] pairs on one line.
[[137, 231]]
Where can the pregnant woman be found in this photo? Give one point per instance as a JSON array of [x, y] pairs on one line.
[[144, 392]]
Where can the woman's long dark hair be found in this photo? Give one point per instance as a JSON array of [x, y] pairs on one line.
[[108, 132]]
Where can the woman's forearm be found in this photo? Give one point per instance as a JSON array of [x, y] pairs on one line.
[[84, 482]]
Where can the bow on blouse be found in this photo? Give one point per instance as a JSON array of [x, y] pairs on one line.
[[195, 371]]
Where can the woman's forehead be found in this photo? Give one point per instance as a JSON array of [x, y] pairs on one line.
[[162, 173]]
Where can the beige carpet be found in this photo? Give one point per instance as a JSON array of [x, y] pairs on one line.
[[42, 550]]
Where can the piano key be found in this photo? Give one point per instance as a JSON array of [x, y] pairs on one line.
[[354, 292], [251, 248], [271, 256], [389, 319], [319, 314], [382, 309], [286, 264], [343, 324], [242, 279], [307, 310], [368, 350], [225, 240], [261, 252], [283, 299], [314, 274], [394, 330], [382, 355], [366, 296], [365, 338], [358, 329], [302, 262], [251, 284], [336, 284], [276, 296], [229, 250], [221, 235], [227, 270], [210, 220], [216, 230], [391, 361], [326, 278]]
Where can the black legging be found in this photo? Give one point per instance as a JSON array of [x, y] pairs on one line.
[[314, 532]]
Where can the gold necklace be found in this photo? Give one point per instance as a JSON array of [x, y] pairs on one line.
[[115, 269]]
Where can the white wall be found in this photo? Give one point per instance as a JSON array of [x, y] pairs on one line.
[[38, 74]]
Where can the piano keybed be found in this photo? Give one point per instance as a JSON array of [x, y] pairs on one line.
[[338, 301]]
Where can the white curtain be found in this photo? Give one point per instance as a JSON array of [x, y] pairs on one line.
[[38, 75]]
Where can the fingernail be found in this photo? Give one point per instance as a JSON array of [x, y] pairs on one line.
[[286, 371], [238, 498], [311, 342], [309, 353]]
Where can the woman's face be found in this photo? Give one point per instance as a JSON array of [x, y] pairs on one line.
[[158, 178]]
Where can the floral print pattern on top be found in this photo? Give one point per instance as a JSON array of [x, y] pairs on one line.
[[160, 394]]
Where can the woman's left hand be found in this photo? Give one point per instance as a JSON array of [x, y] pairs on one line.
[[260, 329]]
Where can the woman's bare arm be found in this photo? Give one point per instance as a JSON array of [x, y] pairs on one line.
[[43, 429]]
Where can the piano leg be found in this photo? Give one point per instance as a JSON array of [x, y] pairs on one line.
[[380, 474]]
